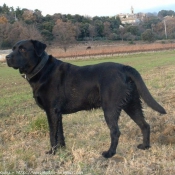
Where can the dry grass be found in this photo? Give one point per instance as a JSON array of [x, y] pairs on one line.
[[24, 136], [111, 50]]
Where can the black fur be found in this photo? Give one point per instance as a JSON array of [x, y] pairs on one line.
[[62, 88]]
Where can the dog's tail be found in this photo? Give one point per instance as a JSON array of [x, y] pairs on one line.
[[143, 90]]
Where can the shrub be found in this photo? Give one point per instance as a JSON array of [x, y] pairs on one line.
[[148, 35], [47, 35], [6, 44]]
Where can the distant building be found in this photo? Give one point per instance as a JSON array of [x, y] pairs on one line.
[[168, 17], [131, 18]]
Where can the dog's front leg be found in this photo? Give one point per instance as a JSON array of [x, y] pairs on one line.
[[56, 130]]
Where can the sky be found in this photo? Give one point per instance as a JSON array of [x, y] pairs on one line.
[[92, 7]]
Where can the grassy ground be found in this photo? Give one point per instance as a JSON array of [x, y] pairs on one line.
[[24, 135]]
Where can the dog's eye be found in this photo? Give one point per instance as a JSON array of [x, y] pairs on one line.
[[22, 50]]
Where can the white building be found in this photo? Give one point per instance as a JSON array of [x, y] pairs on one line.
[[130, 18]]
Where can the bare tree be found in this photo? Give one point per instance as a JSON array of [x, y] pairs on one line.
[[3, 20], [28, 16], [30, 32], [122, 31], [64, 33], [4, 34], [92, 31], [21, 31], [4, 30], [107, 29]]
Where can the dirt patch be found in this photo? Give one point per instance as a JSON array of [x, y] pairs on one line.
[[2, 57]]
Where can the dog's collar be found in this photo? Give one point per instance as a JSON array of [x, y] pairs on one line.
[[38, 68]]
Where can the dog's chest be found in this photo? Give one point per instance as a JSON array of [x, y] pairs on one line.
[[37, 95], [38, 100]]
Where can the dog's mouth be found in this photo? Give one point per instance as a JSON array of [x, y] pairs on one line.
[[16, 67], [11, 65], [8, 63]]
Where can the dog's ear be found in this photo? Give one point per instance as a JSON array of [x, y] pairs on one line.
[[39, 47]]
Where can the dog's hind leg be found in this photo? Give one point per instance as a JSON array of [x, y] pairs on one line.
[[134, 110], [111, 118], [114, 97]]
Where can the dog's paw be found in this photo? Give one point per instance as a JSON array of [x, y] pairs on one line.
[[62, 145], [51, 151], [143, 147], [108, 154]]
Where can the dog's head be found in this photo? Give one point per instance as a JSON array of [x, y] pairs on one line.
[[25, 55]]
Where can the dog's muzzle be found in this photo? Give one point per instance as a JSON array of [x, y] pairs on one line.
[[10, 62], [8, 58]]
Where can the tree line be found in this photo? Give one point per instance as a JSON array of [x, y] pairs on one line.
[[66, 29]]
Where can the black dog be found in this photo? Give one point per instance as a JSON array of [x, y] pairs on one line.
[[62, 88]]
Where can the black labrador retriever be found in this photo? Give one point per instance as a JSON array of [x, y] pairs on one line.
[[62, 88]]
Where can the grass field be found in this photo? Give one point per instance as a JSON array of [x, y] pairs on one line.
[[24, 135]]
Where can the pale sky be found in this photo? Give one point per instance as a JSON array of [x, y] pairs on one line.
[[92, 7]]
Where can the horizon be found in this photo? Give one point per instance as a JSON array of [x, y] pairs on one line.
[[105, 10]]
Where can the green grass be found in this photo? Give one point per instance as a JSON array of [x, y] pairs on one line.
[[24, 135], [141, 61], [39, 124]]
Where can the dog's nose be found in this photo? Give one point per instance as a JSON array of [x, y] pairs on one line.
[[7, 57]]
